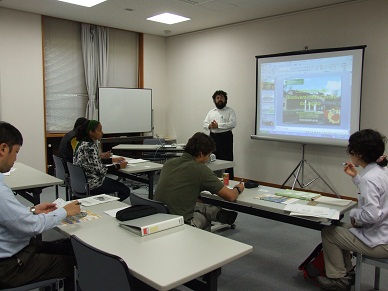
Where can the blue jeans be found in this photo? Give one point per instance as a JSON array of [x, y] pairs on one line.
[[109, 186]]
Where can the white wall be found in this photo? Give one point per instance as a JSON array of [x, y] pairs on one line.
[[224, 58], [184, 71], [155, 71], [21, 82]]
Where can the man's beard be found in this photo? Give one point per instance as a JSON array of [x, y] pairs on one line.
[[220, 105]]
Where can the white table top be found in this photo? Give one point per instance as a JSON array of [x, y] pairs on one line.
[[248, 198], [220, 165], [150, 166], [141, 167], [25, 177], [163, 260], [148, 147]]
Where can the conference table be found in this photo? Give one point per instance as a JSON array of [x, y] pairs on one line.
[[149, 147], [148, 168], [248, 202], [29, 182], [163, 260]]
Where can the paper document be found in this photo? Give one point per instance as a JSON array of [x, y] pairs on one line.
[[113, 212], [135, 161], [313, 211], [97, 199], [333, 201], [276, 198], [81, 217], [298, 194]]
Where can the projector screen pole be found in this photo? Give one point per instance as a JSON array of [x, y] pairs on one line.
[[300, 169]]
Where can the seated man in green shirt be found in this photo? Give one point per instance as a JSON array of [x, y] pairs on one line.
[[182, 180]]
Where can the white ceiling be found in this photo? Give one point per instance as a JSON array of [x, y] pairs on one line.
[[131, 14]]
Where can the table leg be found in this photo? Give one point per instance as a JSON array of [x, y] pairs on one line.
[[151, 185], [208, 283]]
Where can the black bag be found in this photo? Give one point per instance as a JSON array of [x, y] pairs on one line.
[[135, 211]]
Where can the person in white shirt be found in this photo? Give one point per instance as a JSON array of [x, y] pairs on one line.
[[368, 232], [23, 259], [220, 121]]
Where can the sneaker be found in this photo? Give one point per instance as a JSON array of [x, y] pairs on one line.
[[226, 217], [337, 284]]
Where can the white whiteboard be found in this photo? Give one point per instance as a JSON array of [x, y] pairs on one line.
[[125, 110]]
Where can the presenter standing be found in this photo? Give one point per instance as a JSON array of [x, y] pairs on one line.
[[220, 121]]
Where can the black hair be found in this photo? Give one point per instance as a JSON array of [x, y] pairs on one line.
[[80, 132], [10, 135], [200, 143], [369, 145], [222, 93], [79, 122]]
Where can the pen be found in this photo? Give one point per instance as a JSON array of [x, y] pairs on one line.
[[344, 164]]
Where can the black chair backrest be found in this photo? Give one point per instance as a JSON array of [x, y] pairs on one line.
[[138, 200], [61, 171], [98, 270], [78, 181]]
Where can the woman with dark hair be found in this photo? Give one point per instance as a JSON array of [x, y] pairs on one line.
[[368, 232], [87, 156]]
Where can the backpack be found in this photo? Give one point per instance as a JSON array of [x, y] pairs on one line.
[[314, 264]]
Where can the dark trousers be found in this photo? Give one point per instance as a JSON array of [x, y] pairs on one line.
[[224, 148], [39, 261], [109, 186]]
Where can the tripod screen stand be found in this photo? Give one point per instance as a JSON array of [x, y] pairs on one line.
[[299, 170]]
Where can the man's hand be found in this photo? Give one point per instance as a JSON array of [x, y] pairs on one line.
[[45, 207], [72, 208], [350, 169], [213, 124]]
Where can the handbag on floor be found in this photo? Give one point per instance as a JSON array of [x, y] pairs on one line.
[[314, 265]]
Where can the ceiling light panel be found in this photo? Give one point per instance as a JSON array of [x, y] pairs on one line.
[[86, 3], [168, 18]]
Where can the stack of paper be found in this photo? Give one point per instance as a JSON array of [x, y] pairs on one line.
[[298, 194], [312, 211], [135, 161]]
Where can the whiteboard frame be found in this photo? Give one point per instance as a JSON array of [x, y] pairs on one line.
[[125, 110]]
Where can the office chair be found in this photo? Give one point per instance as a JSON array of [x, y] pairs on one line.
[[98, 270], [378, 263], [61, 172], [78, 182], [41, 284], [138, 200]]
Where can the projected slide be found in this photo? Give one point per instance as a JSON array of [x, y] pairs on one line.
[[312, 101], [309, 97]]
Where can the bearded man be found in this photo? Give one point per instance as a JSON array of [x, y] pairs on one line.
[[220, 121]]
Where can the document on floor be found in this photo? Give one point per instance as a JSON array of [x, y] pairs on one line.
[[312, 211]]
